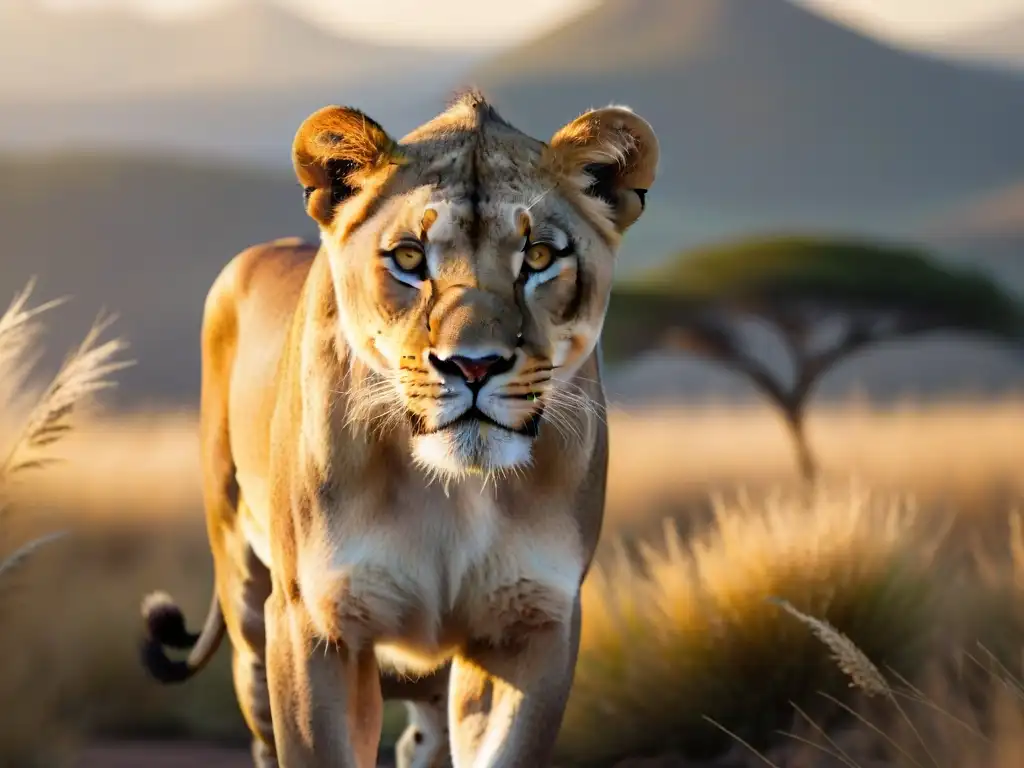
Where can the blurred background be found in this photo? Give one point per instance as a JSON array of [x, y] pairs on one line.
[[145, 142]]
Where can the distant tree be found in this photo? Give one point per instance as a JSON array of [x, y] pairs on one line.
[[826, 300]]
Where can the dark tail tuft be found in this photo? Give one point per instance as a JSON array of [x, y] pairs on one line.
[[165, 623], [165, 628]]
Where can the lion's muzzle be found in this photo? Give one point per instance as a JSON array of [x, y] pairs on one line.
[[475, 325]]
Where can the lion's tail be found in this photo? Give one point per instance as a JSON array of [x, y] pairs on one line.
[[165, 628]]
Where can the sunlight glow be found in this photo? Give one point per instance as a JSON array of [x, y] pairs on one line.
[[918, 19], [468, 23], [157, 9]]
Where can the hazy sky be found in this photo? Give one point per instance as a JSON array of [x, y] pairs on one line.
[[496, 20]]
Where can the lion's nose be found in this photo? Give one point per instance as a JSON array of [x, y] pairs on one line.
[[475, 370]]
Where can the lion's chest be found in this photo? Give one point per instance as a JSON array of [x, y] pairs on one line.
[[436, 576]]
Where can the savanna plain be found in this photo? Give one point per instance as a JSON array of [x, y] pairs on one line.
[[734, 618]]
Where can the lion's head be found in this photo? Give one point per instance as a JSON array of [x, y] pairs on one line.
[[473, 263]]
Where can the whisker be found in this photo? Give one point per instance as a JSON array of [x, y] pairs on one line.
[[565, 426], [581, 399], [539, 197]]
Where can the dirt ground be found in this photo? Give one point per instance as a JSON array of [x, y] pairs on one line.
[[156, 755], [159, 755]]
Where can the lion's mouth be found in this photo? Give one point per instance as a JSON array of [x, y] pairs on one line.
[[529, 428]]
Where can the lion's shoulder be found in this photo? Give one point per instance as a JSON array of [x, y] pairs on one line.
[[267, 277], [270, 263]]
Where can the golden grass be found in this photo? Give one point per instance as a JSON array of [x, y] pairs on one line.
[[971, 449], [673, 632], [937, 725], [663, 460], [743, 641], [690, 631]]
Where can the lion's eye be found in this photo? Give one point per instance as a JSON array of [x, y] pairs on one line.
[[539, 257], [408, 258]]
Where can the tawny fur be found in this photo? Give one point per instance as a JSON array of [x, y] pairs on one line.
[[357, 523]]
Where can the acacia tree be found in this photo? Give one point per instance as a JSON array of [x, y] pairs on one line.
[[825, 299]]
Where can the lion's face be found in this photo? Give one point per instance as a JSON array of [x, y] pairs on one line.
[[479, 317], [473, 267]]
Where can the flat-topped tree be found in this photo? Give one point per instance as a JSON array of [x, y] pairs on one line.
[[826, 299]]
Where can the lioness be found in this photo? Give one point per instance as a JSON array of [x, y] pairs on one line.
[[403, 440]]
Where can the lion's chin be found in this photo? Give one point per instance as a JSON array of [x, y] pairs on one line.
[[471, 448]]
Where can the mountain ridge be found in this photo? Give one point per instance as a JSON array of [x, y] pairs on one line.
[[108, 52], [999, 44], [769, 108]]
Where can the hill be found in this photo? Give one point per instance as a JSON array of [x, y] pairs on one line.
[[142, 237], [996, 214], [250, 127], [772, 117], [98, 53], [234, 83], [1000, 44], [987, 231]]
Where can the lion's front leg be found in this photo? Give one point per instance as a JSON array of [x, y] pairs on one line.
[[325, 699], [424, 742], [506, 703]]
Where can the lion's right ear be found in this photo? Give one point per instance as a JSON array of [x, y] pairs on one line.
[[610, 154], [334, 152]]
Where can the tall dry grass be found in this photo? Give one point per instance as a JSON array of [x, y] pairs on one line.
[[690, 631], [739, 645], [914, 725], [32, 731]]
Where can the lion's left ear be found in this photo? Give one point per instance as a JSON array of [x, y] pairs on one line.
[[610, 153]]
